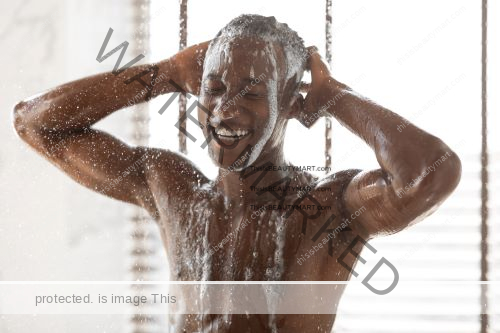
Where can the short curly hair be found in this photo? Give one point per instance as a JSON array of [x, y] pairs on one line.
[[268, 28]]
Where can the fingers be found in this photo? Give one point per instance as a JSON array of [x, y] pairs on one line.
[[318, 66], [189, 66], [310, 50]]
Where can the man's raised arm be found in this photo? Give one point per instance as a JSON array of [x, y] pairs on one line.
[[418, 171], [57, 124]]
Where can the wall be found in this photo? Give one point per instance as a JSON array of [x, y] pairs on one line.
[[50, 227]]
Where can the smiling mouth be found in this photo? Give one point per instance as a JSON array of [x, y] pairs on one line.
[[230, 136]]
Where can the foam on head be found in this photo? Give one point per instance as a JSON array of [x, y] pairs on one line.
[[270, 30]]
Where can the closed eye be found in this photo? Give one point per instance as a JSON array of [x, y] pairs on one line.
[[213, 86], [254, 95]]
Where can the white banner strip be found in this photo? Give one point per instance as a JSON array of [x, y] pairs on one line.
[[229, 298]]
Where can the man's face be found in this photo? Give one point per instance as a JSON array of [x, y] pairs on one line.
[[240, 86]]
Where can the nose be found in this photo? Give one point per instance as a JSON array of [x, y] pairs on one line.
[[214, 120], [222, 112]]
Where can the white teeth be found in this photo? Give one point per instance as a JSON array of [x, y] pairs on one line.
[[225, 132]]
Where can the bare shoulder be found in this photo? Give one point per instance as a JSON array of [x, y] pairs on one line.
[[334, 184], [171, 176], [329, 192]]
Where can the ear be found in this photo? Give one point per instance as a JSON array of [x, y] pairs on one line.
[[296, 107], [297, 110]]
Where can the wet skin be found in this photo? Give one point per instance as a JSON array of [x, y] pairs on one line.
[[195, 213]]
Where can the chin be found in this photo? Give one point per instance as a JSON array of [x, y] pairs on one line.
[[236, 159]]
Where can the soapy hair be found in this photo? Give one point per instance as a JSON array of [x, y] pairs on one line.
[[269, 29]]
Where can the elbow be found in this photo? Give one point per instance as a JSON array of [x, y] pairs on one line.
[[450, 172], [440, 177], [455, 169], [26, 121], [19, 120]]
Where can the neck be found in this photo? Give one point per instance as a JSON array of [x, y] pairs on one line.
[[237, 186]]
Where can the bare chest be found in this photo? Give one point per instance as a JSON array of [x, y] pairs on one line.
[[208, 241]]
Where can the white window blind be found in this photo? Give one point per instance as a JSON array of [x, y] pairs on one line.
[[494, 165]]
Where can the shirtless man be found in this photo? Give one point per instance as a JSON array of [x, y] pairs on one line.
[[196, 214]]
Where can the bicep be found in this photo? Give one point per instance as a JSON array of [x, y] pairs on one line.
[[377, 208]]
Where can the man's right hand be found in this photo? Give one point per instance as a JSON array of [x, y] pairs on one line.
[[189, 67]]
